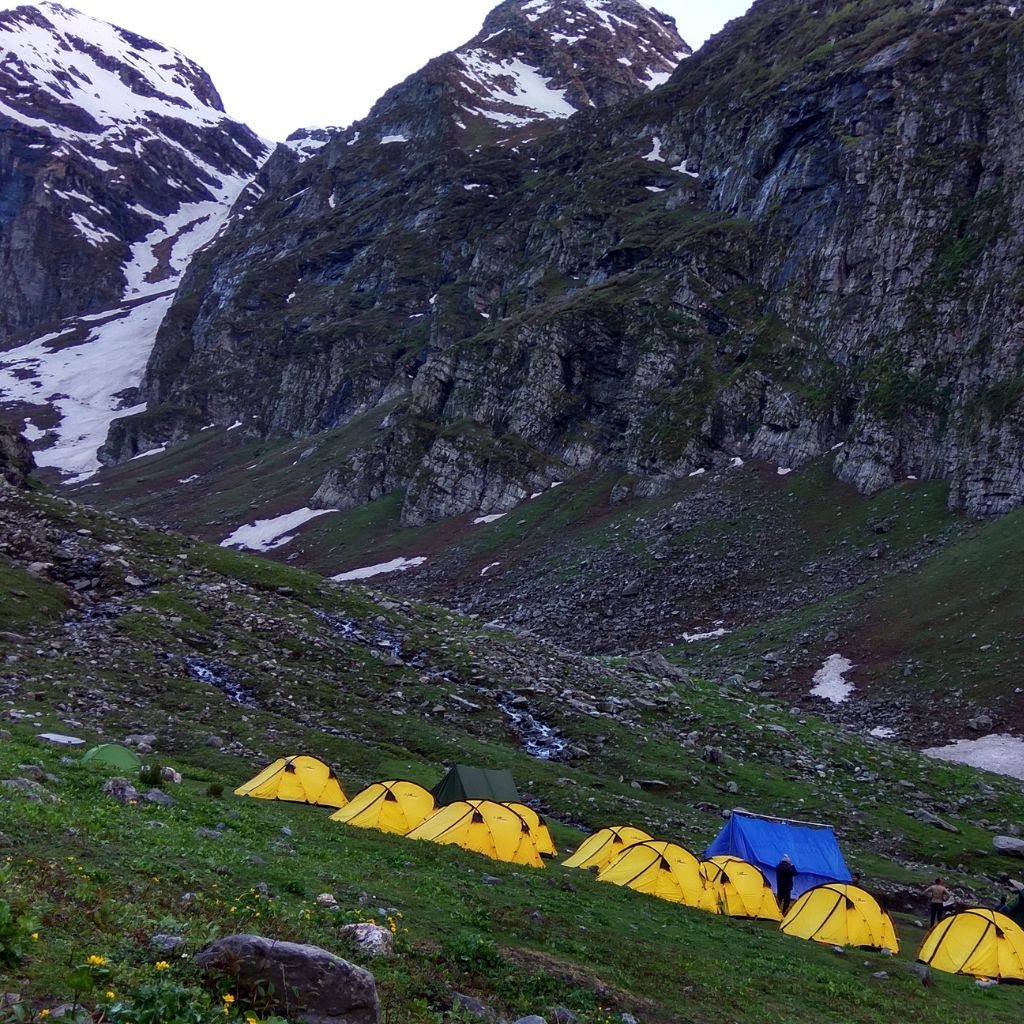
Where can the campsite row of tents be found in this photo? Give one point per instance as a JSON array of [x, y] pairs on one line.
[[735, 879]]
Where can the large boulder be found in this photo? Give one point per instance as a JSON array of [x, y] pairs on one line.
[[308, 984], [16, 462], [1009, 846]]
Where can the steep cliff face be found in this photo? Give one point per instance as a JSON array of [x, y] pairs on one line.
[[16, 461], [117, 162], [806, 241]]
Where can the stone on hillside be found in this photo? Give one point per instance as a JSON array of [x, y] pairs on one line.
[[561, 1015], [31, 771], [713, 755], [166, 943], [933, 819], [304, 982], [326, 899], [981, 723], [120, 789], [208, 833], [531, 1019], [370, 938], [1009, 846], [5, 736], [168, 774], [214, 741], [923, 971], [474, 1007], [159, 797], [30, 790]]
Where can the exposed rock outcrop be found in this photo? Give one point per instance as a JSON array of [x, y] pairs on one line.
[[743, 263], [16, 462]]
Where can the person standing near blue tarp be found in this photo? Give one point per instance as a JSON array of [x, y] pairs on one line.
[[785, 872]]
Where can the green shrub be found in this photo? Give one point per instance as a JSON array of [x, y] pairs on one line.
[[149, 775], [16, 934], [215, 790]]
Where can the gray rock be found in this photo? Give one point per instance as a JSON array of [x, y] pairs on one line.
[[933, 819], [159, 797], [306, 982], [370, 938], [923, 971], [166, 943], [531, 1019], [30, 790], [208, 833], [561, 1015], [1009, 846], [474, 1007], [120, 789]]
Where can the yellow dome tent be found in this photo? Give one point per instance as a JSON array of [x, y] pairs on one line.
[[539, 828], [300, 779], [482, 826], [394, 806], [739, 889], [660, 869], [601, 848], [838, 914], [978, 942]]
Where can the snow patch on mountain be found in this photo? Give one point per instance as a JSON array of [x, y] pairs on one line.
[[78, 372], [114, 76], [510, 91], [267, 534], [134, 113]]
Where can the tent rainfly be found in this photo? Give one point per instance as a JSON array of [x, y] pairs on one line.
[[301, 779], [983, 943], [660, 869], [841, 915], [464, 783], [113, 755], [740, 889], [763, 842], [482, 826], [538, 826], [601, 848], [394, 806]]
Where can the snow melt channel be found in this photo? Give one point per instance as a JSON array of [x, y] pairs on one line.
[[830, 682]]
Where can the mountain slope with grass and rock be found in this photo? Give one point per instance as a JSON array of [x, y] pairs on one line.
[[211, 663]]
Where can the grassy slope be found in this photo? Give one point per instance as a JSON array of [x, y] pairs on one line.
[[677, 964]]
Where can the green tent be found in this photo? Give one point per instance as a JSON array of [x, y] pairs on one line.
[[113, 755], [462, 783]]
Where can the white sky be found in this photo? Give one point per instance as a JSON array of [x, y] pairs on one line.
[[296, 63]]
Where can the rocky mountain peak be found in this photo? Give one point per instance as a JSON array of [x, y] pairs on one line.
[[117, 162], [90, 77], [533, 62]]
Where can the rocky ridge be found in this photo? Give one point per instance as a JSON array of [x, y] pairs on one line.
[[117, 162], [749, 262]]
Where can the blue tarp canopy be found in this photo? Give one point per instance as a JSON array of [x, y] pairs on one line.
[[763, 841]]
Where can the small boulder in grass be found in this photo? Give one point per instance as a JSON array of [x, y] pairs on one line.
[[372, 939], [306, 983], [327, 901], [168, 774], [120, 789]]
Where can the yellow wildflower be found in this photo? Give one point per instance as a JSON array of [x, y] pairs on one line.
[[162, 965], [43, 1014], [35, 936], [229, 999], [96, 961], [110, 995]]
